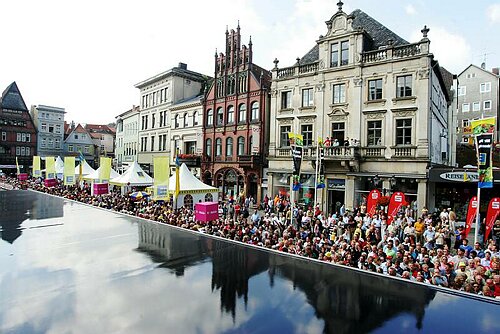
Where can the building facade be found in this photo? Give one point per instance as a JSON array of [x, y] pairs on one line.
[[17, 131], [103, 137], [236, 118], [49, 122], [78, 140], [380, 103], [127, 136], [158, 93]]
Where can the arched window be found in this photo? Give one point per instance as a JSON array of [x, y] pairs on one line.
[[255, 111], [229, 147], [185, 122], [241, 146], [209, 197], [242, 113], [195, 118], [218, 147], [208, 147], [188, 201], [230, 115], [210, 117], [220, 116], [176, 121]]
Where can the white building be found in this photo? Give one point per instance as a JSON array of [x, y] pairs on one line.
[[127, 137], [158, 93], [49, 122], [365, 86]]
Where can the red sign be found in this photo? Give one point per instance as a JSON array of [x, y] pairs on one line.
[[491, 215], [371, 205], [471, 214], [206, 211], [397, 200], [50, 183], [101, 188], [22, 177]]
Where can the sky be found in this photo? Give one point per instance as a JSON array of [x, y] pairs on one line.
[[86, 56]]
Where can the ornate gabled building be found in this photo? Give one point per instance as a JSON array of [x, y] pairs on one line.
[[380, 97], [236, 120], [17, 132]]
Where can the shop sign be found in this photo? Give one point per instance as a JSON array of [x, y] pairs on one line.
[[336, 184], [460, 176]]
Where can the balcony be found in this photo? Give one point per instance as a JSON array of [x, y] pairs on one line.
[[191, 160], [405, 151], [373, 151], [390, 53], [331, 153], [292, 71]]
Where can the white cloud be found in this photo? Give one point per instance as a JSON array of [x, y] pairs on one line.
[[451, 50], [493, 13], [410, 9]]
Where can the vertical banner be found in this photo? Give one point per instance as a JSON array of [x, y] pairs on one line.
[[371, 203], [491, 215], [320, 183], [397, 200], [177, 174], [161, 167], [104, 170], [471, 214], [484, 130], [17, 167], [199, 142], [50, 168], [296, 146], [255, 149], [69, 171], [37, 171]]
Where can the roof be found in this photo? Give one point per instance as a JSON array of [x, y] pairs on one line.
[[99, 128], [179, 71], [448, 81], [12, 99], [86, 169], [95, 174], [133, 176], [378, 33], [79, 129], [188, 182], [479, 68]]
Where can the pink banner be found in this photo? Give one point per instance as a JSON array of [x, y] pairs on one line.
[[50, 183], [371, 203], [471, 214], [101, 188], [22, 177], [397, 200], [491, 215], [206, 211]]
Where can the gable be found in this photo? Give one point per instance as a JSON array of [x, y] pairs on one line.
[[12, 99]]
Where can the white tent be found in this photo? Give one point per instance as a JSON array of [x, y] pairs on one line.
[[191, 189], [59, 165], [86, 169], [95, 174], [133, 176]]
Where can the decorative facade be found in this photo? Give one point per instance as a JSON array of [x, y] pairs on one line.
[[381, 98], [236, 121], [49, 122]]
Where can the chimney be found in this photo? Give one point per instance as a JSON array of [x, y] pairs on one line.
[[483, 65], [182, 66], [495, 70]]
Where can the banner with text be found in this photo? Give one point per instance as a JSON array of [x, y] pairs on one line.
[[484, 130], [296, 146], [371, 203], [397, 200], [50, 168], [37, 170], [162, 175], [320, 183], [471, 214], [491, 215], [104, 169]]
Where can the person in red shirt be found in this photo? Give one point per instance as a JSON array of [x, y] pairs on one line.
[[237, 209]]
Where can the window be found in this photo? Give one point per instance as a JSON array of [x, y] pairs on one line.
[[485, 87], [86, 149], [28, 137], [230, 114], [334, 55], [338, 132], [339, 93], [229, 147], [241, 146], [404, 86], [208, 147], [487, 105], [307, 134], [465, 107], [195, 118], [242, 113], [153, 121], [465, 123], [4, 136], [284, 140], [403, 131], [185, 120], [286, 100], [51, 128], [220, 116], [218, 147], [210, 117], [375, 89], [23, 150], [44, 127], [152, 143], [344, 55], [176, 121], [58, 143], [18, 150], [462, 90], [19, 137], [58, 128], [374, 133], [84, 136], [50, 143], [476, 106], [307, 97], [255, 111], [250, 143], [70, 148], [28, 151]]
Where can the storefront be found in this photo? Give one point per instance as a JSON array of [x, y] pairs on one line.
[[336, 194]]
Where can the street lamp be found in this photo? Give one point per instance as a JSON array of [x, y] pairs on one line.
[[375, 181], [393, 182]]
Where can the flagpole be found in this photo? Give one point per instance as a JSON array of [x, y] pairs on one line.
[[316, 175], [476, 230], [291, 198]]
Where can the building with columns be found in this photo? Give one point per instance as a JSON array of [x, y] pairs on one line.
[[236, 119], [381, 98]]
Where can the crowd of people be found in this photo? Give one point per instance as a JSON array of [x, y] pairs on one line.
[[427, 248]]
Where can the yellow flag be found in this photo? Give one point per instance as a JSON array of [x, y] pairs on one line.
[[50, 168], [177, 182], [37, 171], [104, 170], [162, 174], [69, 171]]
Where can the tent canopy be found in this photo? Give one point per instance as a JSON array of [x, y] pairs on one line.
[[134, 176], [189, 183], [95, 174], [86, 169], [59, 165]]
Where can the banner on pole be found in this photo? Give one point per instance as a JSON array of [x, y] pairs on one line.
[[397, 200], [371, 204], [69, 171], [104, 170], [296, 146], [320, 183], [50, 168], [484, 130], [37, 171], [471, 214], [491, 215], [162, 175]]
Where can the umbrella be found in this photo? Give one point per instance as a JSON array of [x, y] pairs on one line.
[[139, 194]]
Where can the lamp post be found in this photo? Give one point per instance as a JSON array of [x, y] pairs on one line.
[[393, 181], [375, 181]]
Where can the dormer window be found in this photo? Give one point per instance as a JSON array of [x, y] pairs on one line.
[[335, 60]]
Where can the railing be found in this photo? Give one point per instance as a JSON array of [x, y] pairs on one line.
[[291, 71], [403, 151], [402, 51], [373, 152], [331, 153], [313, 67], [373, 56], [409, 50]]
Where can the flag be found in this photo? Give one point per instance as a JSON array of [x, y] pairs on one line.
[[491, 215], [37, 171], [104, 169], [320, 183], [371, 204], [50, 168], [69, 171], [177, 180], [484, 130], [80, 166], [17, 167], [471, 214], [296, 146], [161, 167], [397, 200]]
